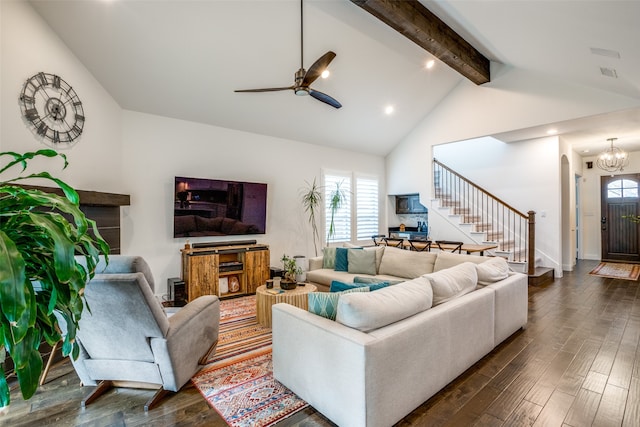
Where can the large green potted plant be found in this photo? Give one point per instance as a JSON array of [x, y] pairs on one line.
[[40, 234]]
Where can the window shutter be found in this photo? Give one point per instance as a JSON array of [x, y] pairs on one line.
[[366, 208], [342, 217]]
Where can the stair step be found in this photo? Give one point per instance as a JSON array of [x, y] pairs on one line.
[[542, 276]]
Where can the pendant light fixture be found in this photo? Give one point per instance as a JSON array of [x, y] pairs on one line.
[[613, 158]]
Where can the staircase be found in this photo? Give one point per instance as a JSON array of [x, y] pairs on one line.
[[484, 218]]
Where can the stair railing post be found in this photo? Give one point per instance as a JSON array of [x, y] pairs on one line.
[[531, 254]]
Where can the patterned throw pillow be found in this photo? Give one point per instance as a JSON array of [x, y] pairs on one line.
[[325, 304], [371, 280], [329, 258], [337, 286]]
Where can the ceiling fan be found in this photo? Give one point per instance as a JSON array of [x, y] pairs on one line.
[[304, 78]]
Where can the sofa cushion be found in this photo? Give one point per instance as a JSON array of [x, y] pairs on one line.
[[184, 224], [402, 263], [492, 270], [386, 306], [329, 258], [361, 262], [342, 259], [374, 280], [453, 282], [243, 228], [227, 225], [449, 259], [379, 251], [337, 286], [325, 304]]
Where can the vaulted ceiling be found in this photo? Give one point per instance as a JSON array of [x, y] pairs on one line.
[[184, 59]]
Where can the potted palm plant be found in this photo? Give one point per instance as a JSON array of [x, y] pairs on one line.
[[336, 199], [311, 201], [40, 234]]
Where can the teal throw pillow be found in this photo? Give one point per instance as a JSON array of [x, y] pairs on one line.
[[325, 304], [342, 259], [337, 286], [371, 280], [329, 258], [361, 262]]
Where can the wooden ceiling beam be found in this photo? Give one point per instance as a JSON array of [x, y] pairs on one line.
[[411, 19]]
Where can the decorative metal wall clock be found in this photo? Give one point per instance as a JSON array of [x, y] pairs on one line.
[[52, 109]]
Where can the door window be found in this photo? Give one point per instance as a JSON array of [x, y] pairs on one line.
[[622, 188]]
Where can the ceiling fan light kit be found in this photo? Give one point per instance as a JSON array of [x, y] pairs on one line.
[[304, 78]]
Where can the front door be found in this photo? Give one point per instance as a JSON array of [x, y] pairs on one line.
[[620, 235]]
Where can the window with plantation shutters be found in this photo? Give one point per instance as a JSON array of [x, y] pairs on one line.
[[358, 217], [340, 229], [366, 207]]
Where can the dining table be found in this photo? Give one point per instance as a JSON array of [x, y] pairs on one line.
[[469, 248]]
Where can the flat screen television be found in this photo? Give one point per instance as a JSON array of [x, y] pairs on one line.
[[213, 207]]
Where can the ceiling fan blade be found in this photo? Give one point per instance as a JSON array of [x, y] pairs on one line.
[[270, 89], [317, 68], [324, 98]]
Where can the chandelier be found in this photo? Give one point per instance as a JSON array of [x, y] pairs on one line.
[[613, 159]]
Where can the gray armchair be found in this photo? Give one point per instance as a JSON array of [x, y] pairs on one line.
[[127, 340]]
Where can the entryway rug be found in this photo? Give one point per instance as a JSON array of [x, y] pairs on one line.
[[617, 270], [238, 383]]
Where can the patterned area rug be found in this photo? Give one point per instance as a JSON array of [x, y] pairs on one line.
[[238, 382], [617, 270]]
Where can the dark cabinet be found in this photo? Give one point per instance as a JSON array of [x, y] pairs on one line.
[[409, 204]]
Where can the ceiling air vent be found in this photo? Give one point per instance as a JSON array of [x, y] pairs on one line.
[[605, 52], [608, 72]]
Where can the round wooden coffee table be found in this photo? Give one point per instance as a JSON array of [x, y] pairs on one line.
[[265, 299]]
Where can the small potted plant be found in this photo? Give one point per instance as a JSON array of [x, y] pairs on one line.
[[291, 269]]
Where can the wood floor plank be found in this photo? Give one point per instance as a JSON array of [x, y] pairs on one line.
[[584, 408], [524, 415], [555, 411], [611, 408], [632, 407]]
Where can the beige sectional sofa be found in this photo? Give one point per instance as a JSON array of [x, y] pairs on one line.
[[390, 350]]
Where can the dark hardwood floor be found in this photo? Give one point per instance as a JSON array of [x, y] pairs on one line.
[[577, 364]]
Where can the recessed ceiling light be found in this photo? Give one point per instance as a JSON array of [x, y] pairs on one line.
[[388, 110], [552, 131], [325, 74], [585, 151], [430, 63]]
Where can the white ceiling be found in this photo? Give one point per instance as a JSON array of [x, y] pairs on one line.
[[183, 59]]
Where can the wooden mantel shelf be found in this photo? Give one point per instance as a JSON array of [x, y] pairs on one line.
[[90, 198]]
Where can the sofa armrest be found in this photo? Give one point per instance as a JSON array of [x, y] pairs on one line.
[[315, 263], [193, 330], [322, 361], [511, 307]]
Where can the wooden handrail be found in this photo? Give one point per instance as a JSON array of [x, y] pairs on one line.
[[480, 188], [511, 229]]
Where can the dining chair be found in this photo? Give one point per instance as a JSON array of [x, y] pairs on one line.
[[419, 245], [378, 239], [453, 246], [392, 241]]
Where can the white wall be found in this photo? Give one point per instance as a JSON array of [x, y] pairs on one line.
[[27, 47], [156, 149], [508, 171]]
